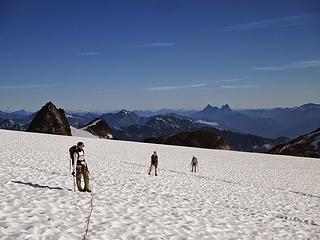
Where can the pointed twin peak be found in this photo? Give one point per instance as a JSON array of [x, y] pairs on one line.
[[210, 108], [224, 108]]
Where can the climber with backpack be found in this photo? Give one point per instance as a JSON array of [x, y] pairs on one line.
[[79, 166], [194, 164], [154, 163]]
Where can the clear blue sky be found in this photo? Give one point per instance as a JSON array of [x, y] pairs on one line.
[[107, 55]]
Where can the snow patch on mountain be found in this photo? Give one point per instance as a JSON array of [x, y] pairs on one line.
[[92, 124], [212, 124], [81, 133]]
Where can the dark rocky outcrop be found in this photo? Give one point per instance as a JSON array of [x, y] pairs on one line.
[[201, 139], [100, 128], [304, 146], [50, 120]]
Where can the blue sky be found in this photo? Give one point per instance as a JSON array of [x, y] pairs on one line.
[[108, 55]]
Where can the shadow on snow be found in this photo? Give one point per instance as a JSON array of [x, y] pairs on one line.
[[35, 185]]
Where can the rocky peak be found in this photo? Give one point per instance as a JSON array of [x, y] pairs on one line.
[[124, 112], [210, 108], [50, 120], [225, 108]]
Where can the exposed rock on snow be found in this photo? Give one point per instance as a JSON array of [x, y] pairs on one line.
[[100, 128], [81, 133], [50, 120]]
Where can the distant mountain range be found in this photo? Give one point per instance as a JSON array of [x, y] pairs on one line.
[[171, 124], [290, 122], [270, 123], [123, 118], [256, 130], [164, 111], [18, 120]]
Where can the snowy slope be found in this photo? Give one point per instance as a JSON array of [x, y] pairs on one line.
[[81, 133], [94, 123], [234, 195]]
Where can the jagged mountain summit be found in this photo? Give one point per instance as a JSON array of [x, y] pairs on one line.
[[50, 120], [123, 118]]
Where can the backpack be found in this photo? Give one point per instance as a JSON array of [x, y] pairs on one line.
[[72, 150], [154, 159]]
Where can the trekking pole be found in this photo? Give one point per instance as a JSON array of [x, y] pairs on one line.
[[74, 183], [73, 177]]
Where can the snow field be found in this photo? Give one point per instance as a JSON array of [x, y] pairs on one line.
[[233, 195]]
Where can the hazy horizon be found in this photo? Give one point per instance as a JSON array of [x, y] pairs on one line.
[[151, 110]]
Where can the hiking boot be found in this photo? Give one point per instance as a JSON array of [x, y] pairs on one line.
[[156, 174], [81, 190], [87, 190], [148, 173]]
